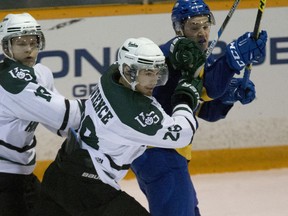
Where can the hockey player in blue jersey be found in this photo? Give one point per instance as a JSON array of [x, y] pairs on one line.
[[163, 174]]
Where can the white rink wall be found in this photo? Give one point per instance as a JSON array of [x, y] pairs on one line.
[[261, 123]]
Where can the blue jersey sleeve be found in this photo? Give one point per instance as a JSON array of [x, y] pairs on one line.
[[214, 110], [217, 76]]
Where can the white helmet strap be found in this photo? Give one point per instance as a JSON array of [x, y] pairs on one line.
[[133, 83], [9, 50]]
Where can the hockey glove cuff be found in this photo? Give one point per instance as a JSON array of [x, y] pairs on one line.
[[188, 93]]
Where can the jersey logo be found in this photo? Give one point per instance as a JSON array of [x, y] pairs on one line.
[[236, 55], [99, 160], [90, 175], [146, 119], [22, 74], [131, 44]]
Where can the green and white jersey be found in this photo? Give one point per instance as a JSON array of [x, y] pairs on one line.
[[119, 123], [28, 97]]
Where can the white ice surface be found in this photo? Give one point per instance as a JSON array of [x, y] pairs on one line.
[[257, 193]]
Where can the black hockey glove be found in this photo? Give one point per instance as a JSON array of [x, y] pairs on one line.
[[186, 56], [188, 93]]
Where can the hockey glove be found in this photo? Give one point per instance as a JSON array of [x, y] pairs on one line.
[[188, 93], [236, 92], [186, 56], [246, 50]]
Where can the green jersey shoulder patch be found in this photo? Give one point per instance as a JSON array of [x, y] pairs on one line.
[[132, 108], [14, 77]]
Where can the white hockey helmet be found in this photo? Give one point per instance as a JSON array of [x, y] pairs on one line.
[[138, 54], [16, 25]]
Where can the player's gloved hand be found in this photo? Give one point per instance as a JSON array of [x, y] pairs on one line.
[[246, 50], [236, 92], [186, 56], [188, 93]]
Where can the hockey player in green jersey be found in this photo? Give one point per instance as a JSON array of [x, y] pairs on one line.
[[27, 97], [121, 118]]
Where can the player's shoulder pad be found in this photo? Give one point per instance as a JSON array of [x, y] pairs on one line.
[[42, 68], [14, 77], [132, 108], [165, 48]]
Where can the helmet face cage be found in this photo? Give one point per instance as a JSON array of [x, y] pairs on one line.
[[186, 9], [6, 41], [160, 70], [141, 54]]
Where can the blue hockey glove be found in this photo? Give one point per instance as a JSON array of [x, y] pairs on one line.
[[188, 93], [186, 56], [246, 50], [236, 92]]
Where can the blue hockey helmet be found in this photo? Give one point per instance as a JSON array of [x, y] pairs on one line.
[[185, 9]]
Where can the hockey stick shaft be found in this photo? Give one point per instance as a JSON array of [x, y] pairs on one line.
[[220, 31], [256, 30]]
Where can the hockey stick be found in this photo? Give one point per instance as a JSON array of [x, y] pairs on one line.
[[220, 31], [260, 12]]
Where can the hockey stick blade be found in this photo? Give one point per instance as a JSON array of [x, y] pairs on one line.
[[248, 68], [220, 31]]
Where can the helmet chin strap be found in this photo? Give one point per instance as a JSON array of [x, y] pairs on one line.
[[10, 56], [133, 85]]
